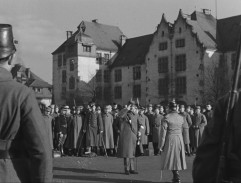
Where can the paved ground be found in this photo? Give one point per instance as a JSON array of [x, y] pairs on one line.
[[110, 169]]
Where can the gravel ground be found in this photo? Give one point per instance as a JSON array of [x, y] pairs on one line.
[[111, 169]]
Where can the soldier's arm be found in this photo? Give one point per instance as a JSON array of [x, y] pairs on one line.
[[147, 126], [100, 123], [35, 140], [163, 133], [203, 121], [189, 120]]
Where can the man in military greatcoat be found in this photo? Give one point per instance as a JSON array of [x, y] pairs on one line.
[[150, 115], [48, 124], [25, 152], [198, 123], [92, 125], [128, 137], [208, 113]]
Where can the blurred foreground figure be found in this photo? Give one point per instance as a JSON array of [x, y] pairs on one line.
[[25, 152], [171, 144], [206, 162]]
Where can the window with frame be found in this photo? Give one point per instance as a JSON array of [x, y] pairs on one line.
[[163, 86], [86, 48], [137, 91], [163, 64], [64, 60], [180, 43], [163, 46], [180, 62], [233, 60], [118, 75], [71, 65], [107, 93], [71, 83], [64, 76], [107, 56], [136, 73], [98, 75], [181, 85], [106, 76], [59, 60], [98, 56], [98, 91], [118, 92]]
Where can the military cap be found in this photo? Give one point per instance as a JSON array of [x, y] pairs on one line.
[[182, 106], [149, 105], [157, 106], [65, 107], [98, 108], [48, 109], [91, 104], [172, 104], [197, 107], [80, 107]]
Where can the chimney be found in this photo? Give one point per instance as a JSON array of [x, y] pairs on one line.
[[69, 34], [95, 21], [27, 72], [122, 39]]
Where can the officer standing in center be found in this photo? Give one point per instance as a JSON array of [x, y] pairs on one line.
[[25, 152]]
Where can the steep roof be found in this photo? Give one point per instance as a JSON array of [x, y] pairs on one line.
[[134, 51], [229, 30], [105, 37], [33, 81], [203, 27]]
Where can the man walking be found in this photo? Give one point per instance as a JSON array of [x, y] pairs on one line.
[[25, 152]]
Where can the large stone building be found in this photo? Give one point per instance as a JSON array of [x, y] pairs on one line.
[[191, 60], [80, 63]]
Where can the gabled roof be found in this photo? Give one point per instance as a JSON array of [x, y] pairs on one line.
[[33, 81], [105, 37], [228, 33], [203, 27], [133, 52]]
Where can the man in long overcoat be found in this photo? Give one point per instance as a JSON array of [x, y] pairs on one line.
[[156, 129], [25, 152], [144, 129], [93, 124], [208, 113], [48, 124], [198, 123], [188, 121], [128, 137], [150, 115], [116, 130]]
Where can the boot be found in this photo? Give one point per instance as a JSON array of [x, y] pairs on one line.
[[62, 150], [176, 176]]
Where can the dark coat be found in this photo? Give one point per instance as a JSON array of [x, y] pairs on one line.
[[188, 121], [143, 127], [128, 135], [209, 115], [151, 120], [93, 124], [22, 134], [206, 161], [48, 124], [198, 123], [156, 128], [108, 136]]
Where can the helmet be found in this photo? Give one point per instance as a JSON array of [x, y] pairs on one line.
[[7, 47]]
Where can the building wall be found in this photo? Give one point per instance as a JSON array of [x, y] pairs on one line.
[[127, 84]]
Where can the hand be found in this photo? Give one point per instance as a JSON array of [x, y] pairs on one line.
[[84, 131], [101, 131], [139, 133], [61, 135], [142, 126]]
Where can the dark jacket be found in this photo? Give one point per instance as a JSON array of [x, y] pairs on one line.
[[22, 129], [206, 162]]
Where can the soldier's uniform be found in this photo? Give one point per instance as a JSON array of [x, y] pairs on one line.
[[25, 153]]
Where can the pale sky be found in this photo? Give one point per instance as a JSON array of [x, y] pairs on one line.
[[40, 25]]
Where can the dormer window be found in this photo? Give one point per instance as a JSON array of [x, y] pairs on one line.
[[163, 33], [180, 30], [86, 48]]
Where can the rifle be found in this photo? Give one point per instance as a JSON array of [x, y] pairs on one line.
[[228, 119]]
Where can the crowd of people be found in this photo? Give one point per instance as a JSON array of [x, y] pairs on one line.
[[92, 129]]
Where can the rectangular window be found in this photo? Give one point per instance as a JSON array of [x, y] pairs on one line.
[[233, 60], [163, 65], [180, 62], [106, 76], [107, 56], [86, 48], [180, 43], [98, 76], [163, 46], [59, 60], [107, 93], [64, 76], [98, 92], [181, 85], [163, 86], [64, 60], [136, 73], [118, 75], [71, 65], [137, 91], [98, 56], [118, 92]]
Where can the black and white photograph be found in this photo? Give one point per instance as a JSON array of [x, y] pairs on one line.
[[120, 91]]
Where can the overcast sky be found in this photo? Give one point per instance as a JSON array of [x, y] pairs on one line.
[[40, 25]]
